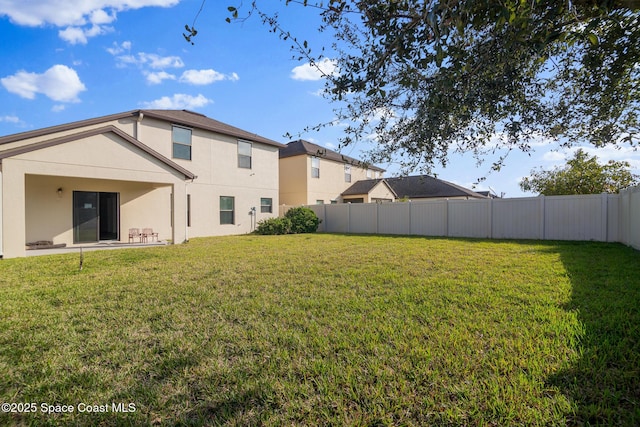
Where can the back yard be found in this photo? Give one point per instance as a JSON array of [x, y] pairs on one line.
[[324, 329]]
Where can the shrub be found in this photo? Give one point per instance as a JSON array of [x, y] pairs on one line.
[[303, 220], [273, 226]]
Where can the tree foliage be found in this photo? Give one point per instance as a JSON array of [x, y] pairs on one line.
[[581, 175], [297, 220], [303, 220], [429, 77]]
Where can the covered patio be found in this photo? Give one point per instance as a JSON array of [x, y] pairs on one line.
[[89, 189]]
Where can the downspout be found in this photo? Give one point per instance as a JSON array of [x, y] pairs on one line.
[[186, 211], [186, 208]]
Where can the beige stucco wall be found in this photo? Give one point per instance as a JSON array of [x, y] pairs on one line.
[[214, 159], [293, 180], [380, 192], [50, 216], [32, 209], [332, 182], [298, 187]]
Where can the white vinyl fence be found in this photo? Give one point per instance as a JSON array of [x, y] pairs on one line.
[[599, 217]]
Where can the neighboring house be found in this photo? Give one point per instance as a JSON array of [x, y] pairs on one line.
[[418, 187], [178, 172], [311, 174]]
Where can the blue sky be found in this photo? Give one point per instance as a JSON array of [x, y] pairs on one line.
[[68, 60]]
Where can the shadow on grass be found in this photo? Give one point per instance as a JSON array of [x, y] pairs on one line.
[[242, 407], [604, 384]]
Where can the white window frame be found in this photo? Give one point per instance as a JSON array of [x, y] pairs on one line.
[[266, 208], [315, 170], [347, 173], [181, 144], [243, 156], [232, 210]]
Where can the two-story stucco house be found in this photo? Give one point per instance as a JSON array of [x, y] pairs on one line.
[[178, 172], [311, 174]]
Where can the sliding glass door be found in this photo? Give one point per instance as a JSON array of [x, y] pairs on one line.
[[95, 216]]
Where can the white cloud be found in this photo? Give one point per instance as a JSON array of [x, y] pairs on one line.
[[100, 17], [314, 72], [319, 93], [205, 77], [58, 108], [9, 119], [117, 49], [604, 154], [81, 34], [63, 13], [612, 152], [159, 62], [554, 157], [144, 59], [60, 83], [159, 77], [179, 101], [83, 19]]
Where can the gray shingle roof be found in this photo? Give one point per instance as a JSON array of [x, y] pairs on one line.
[[200, 121], [415, 187], [302, 147], [361, 187], [181, 117]]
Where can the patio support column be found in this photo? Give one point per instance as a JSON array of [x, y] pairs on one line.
[[13, 215], [179, 212]]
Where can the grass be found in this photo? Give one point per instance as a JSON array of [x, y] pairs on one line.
[[326, 330]]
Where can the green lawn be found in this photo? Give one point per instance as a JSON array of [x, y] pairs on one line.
[[325, 330]]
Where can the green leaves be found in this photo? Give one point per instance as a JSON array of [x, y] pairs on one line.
[[192, 33], [582, 175], [456, 74]]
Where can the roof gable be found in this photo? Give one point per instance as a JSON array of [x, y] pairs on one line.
[[302, 147], [414, 187], [92, 132], [366, 186], [425, 186], [200, 121], [183, 117]]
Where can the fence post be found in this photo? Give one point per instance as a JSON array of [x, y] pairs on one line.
[[377, 218], [324, 217], [604, 222], [543, 214], [447, 218], [490, 218]]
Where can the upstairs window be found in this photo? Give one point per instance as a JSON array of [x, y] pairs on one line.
[[347, 173], [181, 138], [315, 167], [244, 154], [369, 174]]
